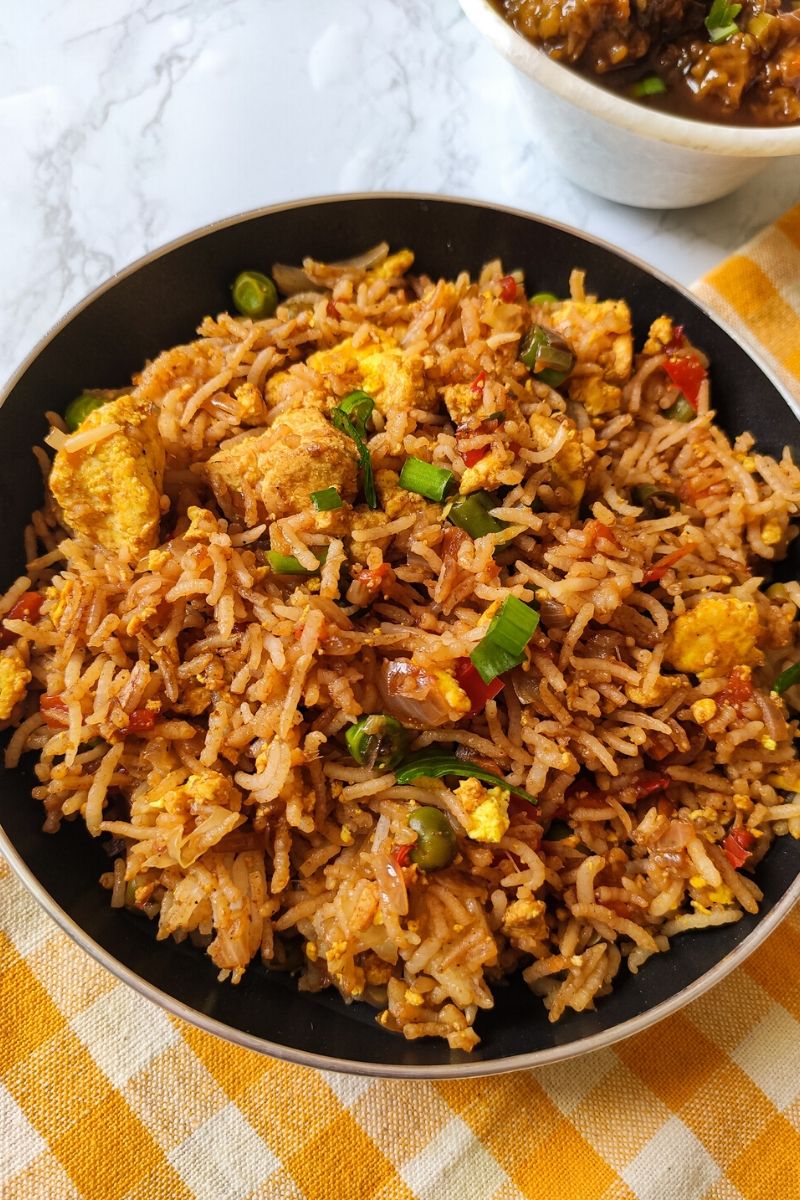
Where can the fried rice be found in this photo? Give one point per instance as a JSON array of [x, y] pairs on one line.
[[187, 690]]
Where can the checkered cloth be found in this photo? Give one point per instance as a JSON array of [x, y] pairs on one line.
[[105, 1097]]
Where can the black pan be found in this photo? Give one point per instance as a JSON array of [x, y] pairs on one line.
[[158, 302]]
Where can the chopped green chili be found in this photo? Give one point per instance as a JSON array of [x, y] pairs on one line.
[[681, 410]]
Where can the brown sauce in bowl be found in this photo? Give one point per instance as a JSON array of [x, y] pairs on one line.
[[736, 64]]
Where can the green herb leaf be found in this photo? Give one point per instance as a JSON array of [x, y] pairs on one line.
[[435, 765], [342, 422]]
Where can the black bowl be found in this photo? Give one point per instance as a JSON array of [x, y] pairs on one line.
[[158, 302]]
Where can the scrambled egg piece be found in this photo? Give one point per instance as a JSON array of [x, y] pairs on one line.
[[202, 524], [110, 492], [14, 680], [720, 633], [300, 454], [658, 694], [524, 913], [207, 787], [486, 810], [394, 379], [394, 266], [455, 696], [595, 394], [662, 331], [567, 468], [251, 409], [397, 502], [599, 331]]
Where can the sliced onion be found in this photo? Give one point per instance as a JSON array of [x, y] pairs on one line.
[[291, 280], [302, 302], [578, 413], [411, 695]]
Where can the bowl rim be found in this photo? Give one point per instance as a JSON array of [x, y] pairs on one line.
[[734, 141], [459, 1070]]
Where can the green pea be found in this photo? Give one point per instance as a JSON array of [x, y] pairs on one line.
[[544, 298], [436, 841], [78, 409], [377, 741], [254, 295]]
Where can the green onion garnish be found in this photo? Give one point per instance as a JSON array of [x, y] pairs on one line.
[[287, 564], [425, 479], [377, 741], [429, 764], [344, 424], [721, 21], [509, 632], [786, 679], [651, 85], [546, 355], [543, 298], [326, 500], [471, 513], [358, 407], [681, 410]]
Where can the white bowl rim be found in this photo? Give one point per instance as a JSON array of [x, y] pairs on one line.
[[460, 1070], [734, 141]]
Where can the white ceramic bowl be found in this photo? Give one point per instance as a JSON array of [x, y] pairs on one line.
[[619, 148]]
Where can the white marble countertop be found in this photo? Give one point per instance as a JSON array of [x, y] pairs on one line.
[[126, 123]]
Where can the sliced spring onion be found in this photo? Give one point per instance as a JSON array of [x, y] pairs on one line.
[[681, 410], [546, 355], [651, 85], [377, 741], [343, 423], [287, 564], [786, 679], [721, 21], [543, 298], [358, 407], [656, 501], [471, 513], [435, 765], [425, 479], [326, 500], [509, 632]]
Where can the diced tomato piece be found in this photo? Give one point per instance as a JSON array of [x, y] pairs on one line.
[[687, 373], [478, 382], [647, 782], [508, 288], [401, 854], [55, 711], [739, 688], [737, 846], [660, 569], [27, 608], [141, 720], [478, 692]]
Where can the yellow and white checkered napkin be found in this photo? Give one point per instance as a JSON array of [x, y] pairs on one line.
[[105, 1097]]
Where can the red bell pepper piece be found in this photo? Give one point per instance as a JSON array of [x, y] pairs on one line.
[[477, 691], [737, 846], [401, 854], [687, 373]]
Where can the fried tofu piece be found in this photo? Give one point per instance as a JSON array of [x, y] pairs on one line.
[[486, 810], [720, 633], [568, 468], [110, 491], [300, 454], [661, 333], [14, 680], [599, 333], [394, 379]]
